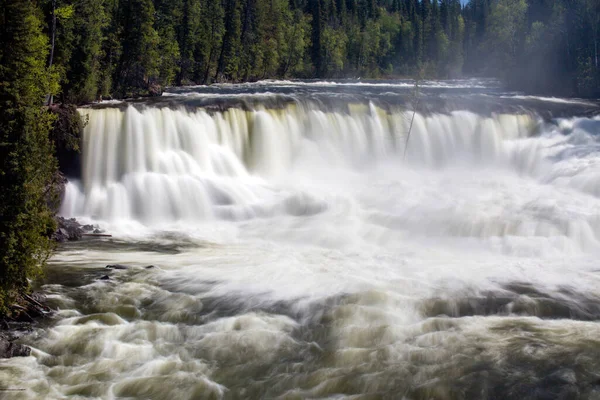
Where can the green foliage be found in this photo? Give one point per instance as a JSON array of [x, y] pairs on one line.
[[210, 41], [65, 12], [295, 43], [132, 47], [67, 128], [229, 59], [168, 49], [188, 37], [334, 51], [504, 33], [138, 66], [84, 69], [26, 155]]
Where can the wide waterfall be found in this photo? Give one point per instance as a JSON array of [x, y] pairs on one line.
[[160, 164], [327, 240]]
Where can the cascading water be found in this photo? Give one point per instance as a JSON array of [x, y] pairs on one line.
[[159, 164], [297, 254]]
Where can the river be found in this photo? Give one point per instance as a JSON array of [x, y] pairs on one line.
[[304, 246]]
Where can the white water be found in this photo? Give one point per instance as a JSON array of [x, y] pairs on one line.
[[163, 164], [325, 246], [172, 168]]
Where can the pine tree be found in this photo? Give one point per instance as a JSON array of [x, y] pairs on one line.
[[83, 83], [168, 16], [229, 58], [314, 8], [188, 35], [138, 67], [210, 40], [26, 160]]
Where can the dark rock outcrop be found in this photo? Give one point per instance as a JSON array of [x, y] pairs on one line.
[[9, 349], [22, 315], [66, 135], [117, 266], [68, 230]]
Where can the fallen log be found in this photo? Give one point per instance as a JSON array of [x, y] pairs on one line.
[[41, 307], [97, 234]]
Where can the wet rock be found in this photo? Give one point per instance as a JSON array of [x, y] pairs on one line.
[[61, 235], [104, 278], [68, 230], [150, 267], [9, 349], [117, 266]]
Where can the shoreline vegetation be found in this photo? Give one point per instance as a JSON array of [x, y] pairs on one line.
[[57, 54]]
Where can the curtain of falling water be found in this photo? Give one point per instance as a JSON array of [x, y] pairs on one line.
[[160, 164]]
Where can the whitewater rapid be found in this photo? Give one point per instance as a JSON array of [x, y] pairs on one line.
[[306, 251]]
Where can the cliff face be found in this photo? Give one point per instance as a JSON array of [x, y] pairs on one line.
[[66, 136]]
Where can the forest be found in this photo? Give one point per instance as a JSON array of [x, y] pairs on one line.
[[119, 48], [80, 51]]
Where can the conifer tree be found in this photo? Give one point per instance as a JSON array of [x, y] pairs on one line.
[[138, 66], [210, 42], [83, 70], [188, 35], [27, 164]]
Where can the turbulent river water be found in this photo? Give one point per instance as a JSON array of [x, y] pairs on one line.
[[302, 249]]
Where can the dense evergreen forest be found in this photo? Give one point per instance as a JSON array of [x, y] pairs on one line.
[[77, 51], [128, 47]]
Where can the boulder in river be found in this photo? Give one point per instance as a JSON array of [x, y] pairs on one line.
[[10, 349], [117, 266], [68, 230]]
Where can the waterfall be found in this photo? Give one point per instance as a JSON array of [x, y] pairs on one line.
[[157, 164]]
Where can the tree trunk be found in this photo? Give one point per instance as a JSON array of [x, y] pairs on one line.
[[52, 41]]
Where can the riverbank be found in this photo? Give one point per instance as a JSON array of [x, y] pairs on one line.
[[23, 315], [27, 310]]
